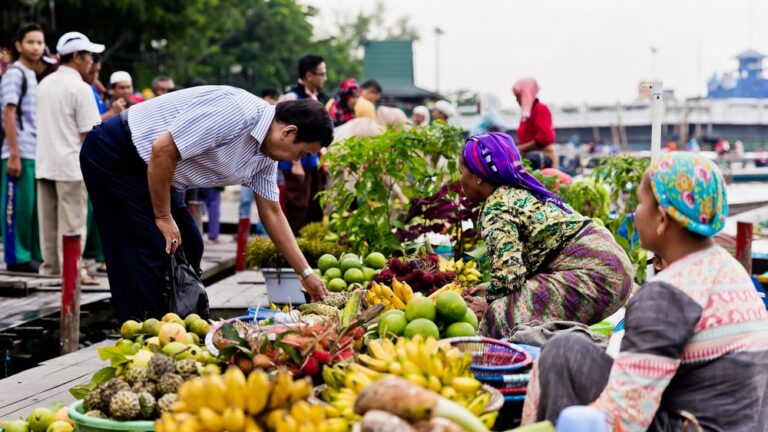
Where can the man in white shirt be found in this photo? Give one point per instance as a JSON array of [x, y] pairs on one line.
[[66, 112]]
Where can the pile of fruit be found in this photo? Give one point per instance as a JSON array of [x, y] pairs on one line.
[[302, 346], [54, 419], [426, 362], [258, 402], [466, 272], [422, 273], [143, 392], [349, 271], [171, 328], [392, 298], [445, 314]]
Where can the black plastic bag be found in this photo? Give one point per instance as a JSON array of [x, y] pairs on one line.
[[185, 291]]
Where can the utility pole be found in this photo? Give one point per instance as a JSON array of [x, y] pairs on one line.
[[438, 32]]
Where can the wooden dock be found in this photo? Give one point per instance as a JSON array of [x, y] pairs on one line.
[[234, 295], [48, 383]]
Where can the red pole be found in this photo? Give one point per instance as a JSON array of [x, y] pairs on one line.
[[744, 245], [70, 295], [243, 228]]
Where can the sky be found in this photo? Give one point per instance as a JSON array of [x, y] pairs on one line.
[[580, 51]]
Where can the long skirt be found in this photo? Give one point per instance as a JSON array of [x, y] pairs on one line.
[[589, 280]]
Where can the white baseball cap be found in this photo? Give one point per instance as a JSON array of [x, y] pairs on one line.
[[74, 41], [120, 76]]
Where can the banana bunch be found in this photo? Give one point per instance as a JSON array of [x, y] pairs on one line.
[[257, 403], [449, 287], [428, 363], [392, 298], [466, 272]]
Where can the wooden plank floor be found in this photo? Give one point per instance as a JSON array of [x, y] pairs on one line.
[[48, 383], [45, 299], [234, 295]]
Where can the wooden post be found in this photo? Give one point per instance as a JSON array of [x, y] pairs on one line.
[[70, 294], [243, 229], [744, 245]]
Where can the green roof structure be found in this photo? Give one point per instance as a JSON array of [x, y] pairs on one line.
[[390, 63]]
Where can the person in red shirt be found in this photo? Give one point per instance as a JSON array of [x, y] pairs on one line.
[[535, 134]]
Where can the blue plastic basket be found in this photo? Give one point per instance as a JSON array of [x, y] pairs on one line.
[[492, 356]]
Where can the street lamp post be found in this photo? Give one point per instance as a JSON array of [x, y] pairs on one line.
[[438, 32]]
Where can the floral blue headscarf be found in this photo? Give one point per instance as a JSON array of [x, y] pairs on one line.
[[692, 191]]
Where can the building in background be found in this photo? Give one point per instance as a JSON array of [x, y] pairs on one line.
[[747, 82]]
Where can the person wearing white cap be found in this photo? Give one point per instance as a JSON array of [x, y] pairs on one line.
[[66, 111], [121, 88], [445, 111]]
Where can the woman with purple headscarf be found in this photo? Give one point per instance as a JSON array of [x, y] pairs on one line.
[[548, 262]]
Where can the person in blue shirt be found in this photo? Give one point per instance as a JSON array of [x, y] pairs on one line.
[[304, 179]]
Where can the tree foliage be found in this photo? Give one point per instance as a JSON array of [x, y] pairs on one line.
[[248, 43]]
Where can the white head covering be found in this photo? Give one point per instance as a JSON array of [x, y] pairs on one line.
[[389, 116], [489, 103], [120, 76], [424, 111], [74, 42], [446, 108]]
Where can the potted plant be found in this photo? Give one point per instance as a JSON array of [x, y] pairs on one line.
[[283, 285]]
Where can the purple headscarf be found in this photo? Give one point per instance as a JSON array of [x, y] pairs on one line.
[[494, 158]]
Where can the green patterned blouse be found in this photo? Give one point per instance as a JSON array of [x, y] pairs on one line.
[[520, 234]]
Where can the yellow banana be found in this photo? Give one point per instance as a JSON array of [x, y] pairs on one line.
[[407, 292], [301, 411], [358, 368], [357, 381], [300, 390], [251, 425], [287, 424], [209, 419], [234, 381], [281, 390], [373, 363], [397, 288], [409, 368], [216, 392], [233, 419], [397, 303], [396, 369], [316, 413], [465, 384], [479, 403], [434, 383], [387, 292], [337, 425], [376, 347], [190, 424], [448, 392], [273, 418], [258, 392], [418, 379], [489, 419], [370, 297]]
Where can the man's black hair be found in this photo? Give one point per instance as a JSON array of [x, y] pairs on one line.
[[27, 28], [96, 58], [197, 82], [308, 63], [310, 117], [270, 92], [372, 84]]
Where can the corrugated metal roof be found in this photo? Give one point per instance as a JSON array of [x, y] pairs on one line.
[[391, 64]]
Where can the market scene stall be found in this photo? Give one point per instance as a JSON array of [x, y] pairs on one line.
[[211, 259]]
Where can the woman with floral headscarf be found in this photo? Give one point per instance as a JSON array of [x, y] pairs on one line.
[[342, 107], [535, 134], [695, 344], [548, 262]]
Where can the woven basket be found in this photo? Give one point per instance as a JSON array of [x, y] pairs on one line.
[[492, 357]]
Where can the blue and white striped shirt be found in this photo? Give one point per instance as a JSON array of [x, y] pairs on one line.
[[218, 130], [10, 92]]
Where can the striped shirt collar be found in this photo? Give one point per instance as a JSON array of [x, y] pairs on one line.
[[261, 129]]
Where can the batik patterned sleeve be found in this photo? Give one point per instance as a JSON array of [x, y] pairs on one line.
[[499, 226], [659, 322]]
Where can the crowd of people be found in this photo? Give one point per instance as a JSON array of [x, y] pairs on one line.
[[106, 164]]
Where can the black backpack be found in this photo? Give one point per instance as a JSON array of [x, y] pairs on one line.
[[19, 113]]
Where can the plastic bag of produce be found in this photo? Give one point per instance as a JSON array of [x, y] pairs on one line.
[[185, 291]]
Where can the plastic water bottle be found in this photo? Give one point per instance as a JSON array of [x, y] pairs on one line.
[[581, 419]]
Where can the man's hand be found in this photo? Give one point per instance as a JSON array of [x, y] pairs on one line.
[[315, 287], [298, 170], [118, 106], [171, 233], [14, 165]]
